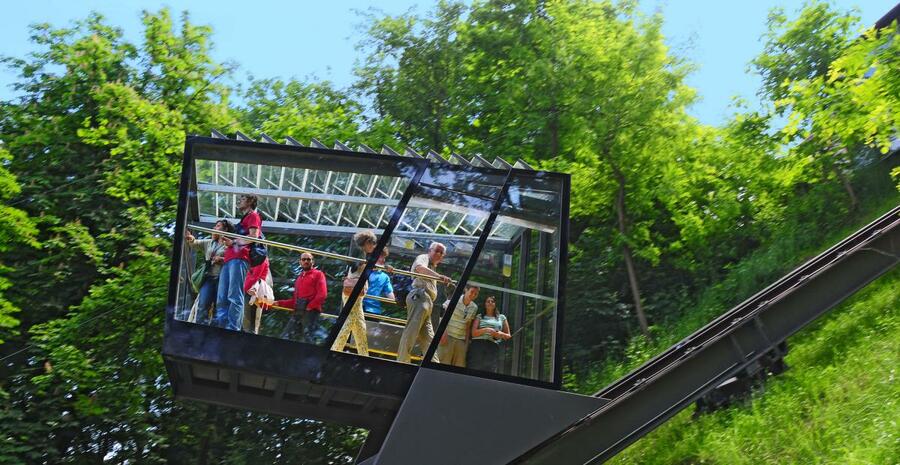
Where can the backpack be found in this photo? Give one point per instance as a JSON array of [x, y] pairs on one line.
[[258, 252], [402, 285]]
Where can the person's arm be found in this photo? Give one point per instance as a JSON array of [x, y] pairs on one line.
[[290, 303], [503, 334], [286, 303], [194, 243], [388, 290], [429, 272], [321, 292]]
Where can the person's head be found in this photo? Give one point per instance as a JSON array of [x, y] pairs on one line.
[[471, 292], [222, 225], [247, 202], [436, 252], [383, 256], [490, 306], [306, 261], [365, 240]]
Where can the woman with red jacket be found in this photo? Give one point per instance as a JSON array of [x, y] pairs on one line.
[[230, 294]]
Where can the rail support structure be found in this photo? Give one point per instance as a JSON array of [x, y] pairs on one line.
[[659, 389]]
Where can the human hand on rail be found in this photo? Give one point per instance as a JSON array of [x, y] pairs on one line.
[[445, 279], [389, 268]]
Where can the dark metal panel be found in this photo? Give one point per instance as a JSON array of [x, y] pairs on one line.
[[246, 352], [662, 387], [561, 276], [262, 402], [451, 419]]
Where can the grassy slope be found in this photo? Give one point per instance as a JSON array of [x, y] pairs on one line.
[[838, 403]]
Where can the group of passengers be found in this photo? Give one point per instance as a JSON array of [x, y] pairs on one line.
[[472, 338]]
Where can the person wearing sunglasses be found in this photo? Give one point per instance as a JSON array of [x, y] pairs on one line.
[[310, 291]]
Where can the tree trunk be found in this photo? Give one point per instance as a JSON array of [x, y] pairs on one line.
[[845, 181], [629, 259], [212, 418]]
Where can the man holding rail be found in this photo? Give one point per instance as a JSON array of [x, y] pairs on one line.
[[420, 301]]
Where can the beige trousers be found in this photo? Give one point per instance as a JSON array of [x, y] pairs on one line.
[[453, 352], [356, 324], [418, 325]]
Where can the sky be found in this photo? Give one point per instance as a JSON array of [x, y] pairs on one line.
[[316, 40]]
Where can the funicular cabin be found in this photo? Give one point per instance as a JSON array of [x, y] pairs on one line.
[[503, 227]]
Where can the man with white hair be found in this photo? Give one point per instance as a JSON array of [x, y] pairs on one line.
[[420, 301]]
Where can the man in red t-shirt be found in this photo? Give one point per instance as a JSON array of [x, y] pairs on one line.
[[310, 291], [230, 295]]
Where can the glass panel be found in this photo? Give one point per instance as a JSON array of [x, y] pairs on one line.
[[436, 235], [308, 204], [506, 322], [316, 203]]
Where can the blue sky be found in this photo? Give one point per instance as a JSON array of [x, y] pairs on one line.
[[317, 39]]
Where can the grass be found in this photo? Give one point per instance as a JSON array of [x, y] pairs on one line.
[[838, 403]]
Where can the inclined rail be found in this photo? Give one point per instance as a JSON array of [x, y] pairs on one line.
[[657, 390]]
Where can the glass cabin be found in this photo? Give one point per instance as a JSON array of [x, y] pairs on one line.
[[503, 228]]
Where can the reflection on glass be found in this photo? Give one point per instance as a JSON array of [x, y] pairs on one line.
[[505, 322], [321, 220]]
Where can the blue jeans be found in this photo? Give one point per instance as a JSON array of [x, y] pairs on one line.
[[205, 298], [230, 295]]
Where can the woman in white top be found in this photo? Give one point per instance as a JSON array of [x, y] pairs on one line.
[[213, 253], [488, 330]]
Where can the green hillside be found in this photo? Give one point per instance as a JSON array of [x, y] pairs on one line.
[[838, 403]]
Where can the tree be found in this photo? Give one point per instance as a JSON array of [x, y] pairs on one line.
[[410, 70], [803, 48], [302, 111], [855, 105], [17, 231], [799, 75], [628, 101]]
